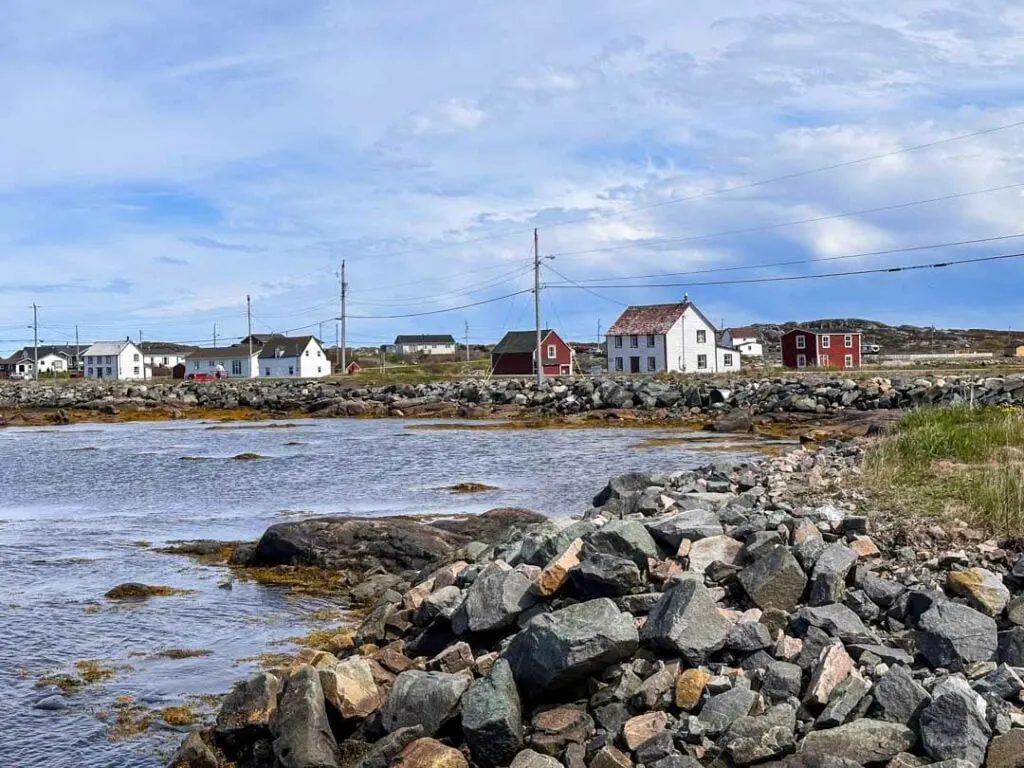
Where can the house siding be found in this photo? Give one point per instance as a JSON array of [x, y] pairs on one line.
[[817, 353], [521, 363], [677, 350]]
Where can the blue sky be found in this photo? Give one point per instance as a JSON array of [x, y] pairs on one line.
[[161, 160]]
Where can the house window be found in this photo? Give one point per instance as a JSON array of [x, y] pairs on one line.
[[848, 361], [108, 360], [209, 363], [702, 362], [291, 370], [135, 358], [702, 337], [307, 353], [318, 353], [165, 361], [727, 360], [652, 364], [801, 361], [826, 342], [848, 341], [552, 351], [318, 369], [634, 341], [136, 370], [618, 342], [650, 339], [90, 371], [618, 364], [109, 373], [195, 365], [267, 373], [801, 342], [236, 367], [823, 361]]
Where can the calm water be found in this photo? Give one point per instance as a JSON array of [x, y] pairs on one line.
[[78, 499]]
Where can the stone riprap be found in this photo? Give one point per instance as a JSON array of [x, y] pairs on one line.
[[795, 647]]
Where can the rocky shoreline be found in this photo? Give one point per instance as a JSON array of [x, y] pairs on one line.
[[740, 614], [811, 395]]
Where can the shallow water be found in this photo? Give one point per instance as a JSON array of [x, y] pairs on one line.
[[78, 500]]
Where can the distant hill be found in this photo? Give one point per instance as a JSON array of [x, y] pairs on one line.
[[898, 339]]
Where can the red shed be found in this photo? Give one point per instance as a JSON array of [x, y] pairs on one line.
[[802, 349], [515, 354]]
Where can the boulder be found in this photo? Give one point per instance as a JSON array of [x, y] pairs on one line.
[[828, 579], [492, 718], [883, 592], [899, 698], [686, 621], [624, 486], [752, 740], [690, 687], [429, 699], [638, 730], [530, 759], [782, 680], [194, 753], [846, 697], [566, 646], [694, 524], [833, 667], [429, 753], [494, 600], [723, 709], [246, 712], [952, 635], [556, 572], [748, 636], [554, 729], [610, 757], [302, 734], [623, 538], [350, 689], [774, 580], [862, 741], [387, 749], [1007, 750], [601, 575], [953, 726], [838, 621], [983, 589], [713, 549]]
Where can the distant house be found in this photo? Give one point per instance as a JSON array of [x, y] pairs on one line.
[[516, 354], [802, 348], [159, 354], [667, 337], [1014, 349], [236, 361], [353, 368], [407, 346], [300, 357], [120, 360], [743, 340]]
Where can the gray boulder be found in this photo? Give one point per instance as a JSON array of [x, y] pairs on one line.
[[752, 740], [601, 575], [623, 538], [774, 580], [245, 713], [863, 741], [383, 752], [952, 635], [748, 636], [883, 592], [494, 600], [492, 719], [624, 486], [845, 699], [194, 753], [782, 680], [566, 646], [694, 525], [686, 621], [828, 579], [899, 698], [1011, 646], [429, 699], [838, 621], [1002, 682], [302, 734], [723, 709], [953, 726]]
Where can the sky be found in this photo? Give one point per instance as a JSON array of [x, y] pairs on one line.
[[162, 160]]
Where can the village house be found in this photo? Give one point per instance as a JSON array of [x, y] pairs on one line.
[[802, 348], [237, 361], [516, 354], [667, 337], [114, 360], [160, 354], [408, 346], [22, 363], [301, 357], [743, 340], [1014, 349]]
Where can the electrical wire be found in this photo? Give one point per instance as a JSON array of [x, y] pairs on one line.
[[584, 288]]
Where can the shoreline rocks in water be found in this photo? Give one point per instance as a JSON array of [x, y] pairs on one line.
[[726, 616]]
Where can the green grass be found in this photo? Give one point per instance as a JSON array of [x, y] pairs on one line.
[[955, 461]]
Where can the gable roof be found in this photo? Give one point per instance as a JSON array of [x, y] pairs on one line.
[[425, 339], [112, 348], [518, 342], [745, 332], [653, 318], [285, 346], [221, 353], [163, 348], [821, 333]]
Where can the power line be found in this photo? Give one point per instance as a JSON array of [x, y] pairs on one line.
[[790, 278], [780, 225], [793, 262], [583, 287]]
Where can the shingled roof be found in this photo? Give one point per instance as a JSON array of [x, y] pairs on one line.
[[425, 339], [519, 342], [652, 318], [284, 346]]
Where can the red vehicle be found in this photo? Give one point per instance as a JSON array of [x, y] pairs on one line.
[[201, 377]]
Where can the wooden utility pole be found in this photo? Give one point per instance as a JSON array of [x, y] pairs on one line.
[[467, 341], [78, 351], [35, 341], [344, 299], [248, 323], [214, 335], [536, 306]]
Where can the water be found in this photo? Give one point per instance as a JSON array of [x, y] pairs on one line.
[[78, 500]]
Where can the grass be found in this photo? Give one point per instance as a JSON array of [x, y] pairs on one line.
[[955, 461]]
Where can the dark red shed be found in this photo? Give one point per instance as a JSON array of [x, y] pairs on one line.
[[515, 354], [807, 349]]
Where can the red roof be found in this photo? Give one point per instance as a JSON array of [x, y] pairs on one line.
[[822, 333], [653, 318]]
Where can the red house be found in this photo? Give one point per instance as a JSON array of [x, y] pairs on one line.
[[802, 348], [516, 354]]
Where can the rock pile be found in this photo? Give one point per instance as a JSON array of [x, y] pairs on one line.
[[678, 398], [736, 615]]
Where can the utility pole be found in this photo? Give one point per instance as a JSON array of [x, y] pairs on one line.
[[337, 342], [35, 341], [598, 331], [214, 335], [536, 305], [344, 299], [78, 350], [467, 341], [248, 323]]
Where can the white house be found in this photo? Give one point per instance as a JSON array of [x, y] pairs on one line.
[[114, 360], [302, 357], [156, 354], [236, 362], [744, 340], [424, 345], [22, 363], [667, 337]]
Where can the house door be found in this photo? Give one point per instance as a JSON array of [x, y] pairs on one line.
[[634, 365], [564, 370], [801, 361]]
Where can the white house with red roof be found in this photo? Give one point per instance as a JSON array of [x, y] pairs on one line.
[[745, 340], [667, 337]]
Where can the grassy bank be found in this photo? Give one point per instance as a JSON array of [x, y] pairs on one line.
[[957, 461]]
